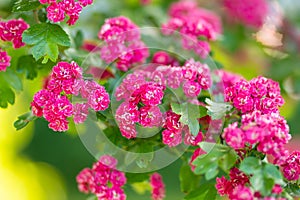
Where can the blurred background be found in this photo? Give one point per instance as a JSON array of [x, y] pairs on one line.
[[39, 164]]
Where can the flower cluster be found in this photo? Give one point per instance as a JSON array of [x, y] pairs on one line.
[[122, 43], [4, 60], [193, 22], [251, 13], [158, 187], [57, 10], [291, 166], [258, 94], [142, 92], [12, 31], [103, 180], [235, 186], [53, 104], [269, 132], [163, 58]]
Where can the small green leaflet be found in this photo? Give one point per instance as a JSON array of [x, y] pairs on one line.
[[190, 113], [25, 5], [45, 39], [217, 110], [23, 120]]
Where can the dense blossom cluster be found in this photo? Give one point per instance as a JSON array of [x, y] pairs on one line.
[[12, 31], [258, 94], [4, 60], [143, 91], [123, 43], [261, 124], [237, 181], [193, 22], [103, 180], [251, 13], [291, 166], [57, 10], [158, 187], [53, 103]]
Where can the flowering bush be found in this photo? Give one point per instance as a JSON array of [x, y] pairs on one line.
[[155, 95]]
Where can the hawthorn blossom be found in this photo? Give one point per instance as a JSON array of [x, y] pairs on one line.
[[12, 31], [158, 187], [102, 180], [4, 60]]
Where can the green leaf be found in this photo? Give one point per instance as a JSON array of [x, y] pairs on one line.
[[262, 183], [250, 165], [23, 120], [293, 189], [188, 180], [46, 38], [25, 5], [27, 65], [145, 155], [271, 171], [227, 161], [204, 192], [13, 80], [217, 110], [189, 115], [212, 172], [78, 39], [6, 96]]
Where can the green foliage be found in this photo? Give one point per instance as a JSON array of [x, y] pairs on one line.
[[23, 120], [217, 110], [25, 5], [293, 189], [263, 175], [9, 81], [218, 157], [188, 180], [136, 177], [190, 113], [204, 192], [45, 39], [26, 64]]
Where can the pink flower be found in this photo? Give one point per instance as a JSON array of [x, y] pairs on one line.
[[108, 161], [193, 22], [72, 9], [175, 77], [191, 89], [36, 110], [161, 57], [251, 12], [12, 30], [99, 99], [4, 60], [59, 124], [171, 138], [103, 181], [158, 187], [47, 1], [84, 3], [125, 122], [150, 116], [84, 180], [80, 111], [55, 12], [190, 139], [234, 136], [223, 186], [291, 167], [241, 193], [172, 121]]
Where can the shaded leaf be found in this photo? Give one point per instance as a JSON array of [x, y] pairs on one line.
[[25, 5]]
